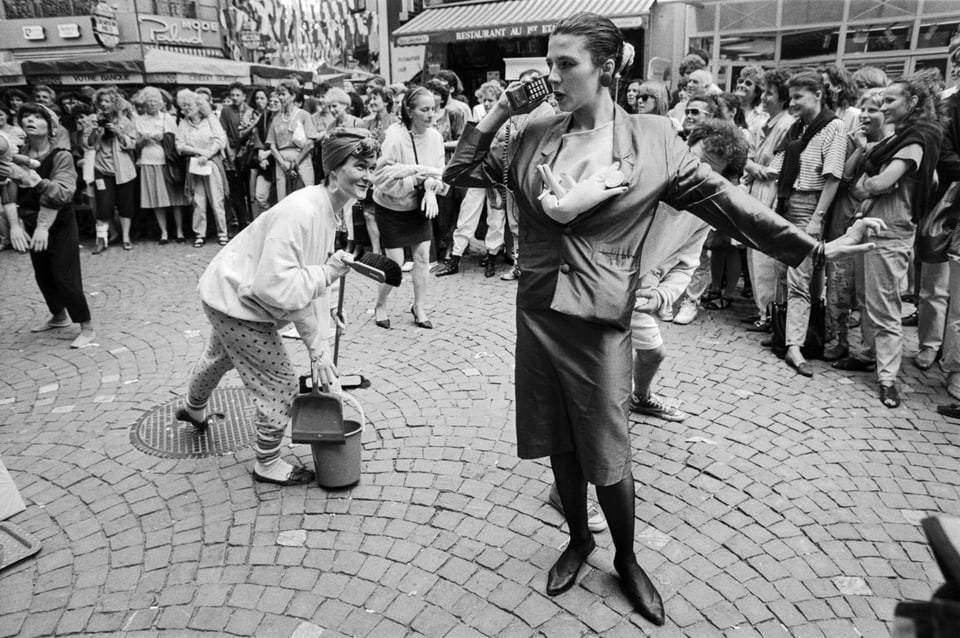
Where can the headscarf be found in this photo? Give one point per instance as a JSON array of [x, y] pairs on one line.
[[341, 143]]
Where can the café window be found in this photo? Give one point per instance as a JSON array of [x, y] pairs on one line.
[[936, 34], [808, 44], [887, 37], [20, 9], [175, 8], [748, 47]]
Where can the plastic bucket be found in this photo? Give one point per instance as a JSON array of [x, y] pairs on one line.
[[339, 465]]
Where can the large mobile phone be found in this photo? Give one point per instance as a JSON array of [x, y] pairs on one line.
[[529, 93]]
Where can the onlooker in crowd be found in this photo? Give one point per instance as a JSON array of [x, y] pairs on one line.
[[236, 120], [254, 150], [841, 95], [411, 158], [457, 100], [290, 139], [157, 192], [450, 121], [16, 138], [948, 171], [683, 96], [809, 173], [487, 95], [15, 98], [700, 109], [114, 138], [652, 98], [630, 104], [869, 77], [749, 91], [898, 178], [38, 206], [843, 274], [380, 106], [471, 210], [201, 139], [399, 91], [762, 184]]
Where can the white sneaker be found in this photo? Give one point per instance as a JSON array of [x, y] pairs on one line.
[[596, 521], [407, 266], [687, 313]]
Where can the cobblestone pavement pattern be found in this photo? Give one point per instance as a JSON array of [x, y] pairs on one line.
[[782, 507]]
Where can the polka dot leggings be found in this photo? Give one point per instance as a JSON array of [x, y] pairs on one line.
[[256, 350]]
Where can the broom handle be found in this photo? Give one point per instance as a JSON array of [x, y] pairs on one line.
[[336, 338]]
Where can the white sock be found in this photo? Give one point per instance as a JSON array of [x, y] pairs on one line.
[[277, 469]]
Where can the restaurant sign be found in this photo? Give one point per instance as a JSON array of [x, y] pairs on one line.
[[524, 30], [180, 31]]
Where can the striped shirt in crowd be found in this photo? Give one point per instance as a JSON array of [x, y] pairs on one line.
[[824, 156]]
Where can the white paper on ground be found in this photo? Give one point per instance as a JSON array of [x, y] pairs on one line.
[[10, 500]]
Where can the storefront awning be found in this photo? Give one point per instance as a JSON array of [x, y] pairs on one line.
[[167, 67], [511, 19], [11, 73], [81, 72]]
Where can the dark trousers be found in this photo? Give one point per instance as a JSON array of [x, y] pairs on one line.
[[238, 209], [57, 269], [122, 197]]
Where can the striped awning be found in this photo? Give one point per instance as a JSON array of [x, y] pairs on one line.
[[511, 19]]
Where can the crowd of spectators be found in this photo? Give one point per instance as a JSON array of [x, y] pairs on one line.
[[821, 146]]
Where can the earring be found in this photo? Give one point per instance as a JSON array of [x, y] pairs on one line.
[[606, 79]]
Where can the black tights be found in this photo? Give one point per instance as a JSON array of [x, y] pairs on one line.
[[618, 502]]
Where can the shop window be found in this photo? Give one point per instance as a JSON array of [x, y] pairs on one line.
[[20, 9], [178, 8], [704, 43], [812, 12], [705, 17], [808, 44], [757, 14], [869, 9], [748, 47], [887, 37], [939, 6], [938, 34]]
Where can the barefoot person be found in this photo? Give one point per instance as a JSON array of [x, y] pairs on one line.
[[581, 244], [279, 270], [38, 205]]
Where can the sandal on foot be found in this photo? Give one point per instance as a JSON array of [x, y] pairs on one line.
[[223, 241], [718, 303], [199, 242], [183, 415], [889, 396], [297, 476]]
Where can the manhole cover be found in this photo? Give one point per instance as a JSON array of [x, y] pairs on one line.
[[159, 433]]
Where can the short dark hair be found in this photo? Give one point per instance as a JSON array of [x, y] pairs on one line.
[[715, 105], [809, 81], [846, 89], [321, 89], [436, 86], [779, 78], [385, 94], [252, 96], [32, 108], [451, 78], [237, 85]]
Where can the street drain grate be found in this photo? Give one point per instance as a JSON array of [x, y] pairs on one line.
[[160, 434]]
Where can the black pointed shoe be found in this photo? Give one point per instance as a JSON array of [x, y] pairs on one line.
[[563, 574], [641, 593]]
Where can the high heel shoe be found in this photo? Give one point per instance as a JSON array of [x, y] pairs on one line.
[[416, 320], [641, 593], [564, 573], [380, 323]]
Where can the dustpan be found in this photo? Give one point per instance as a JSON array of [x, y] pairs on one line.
[[317, 416]]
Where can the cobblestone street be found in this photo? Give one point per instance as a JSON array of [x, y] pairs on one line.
[[783, 506]]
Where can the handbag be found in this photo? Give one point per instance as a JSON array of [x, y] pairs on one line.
[[813, 345], [936, 229], [174, 167], [419, 189]]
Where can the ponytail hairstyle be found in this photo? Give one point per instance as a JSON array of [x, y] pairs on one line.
[[925, 86], [603, 40], [409, 101]]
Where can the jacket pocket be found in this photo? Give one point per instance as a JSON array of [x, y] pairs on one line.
[[615, 257]]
